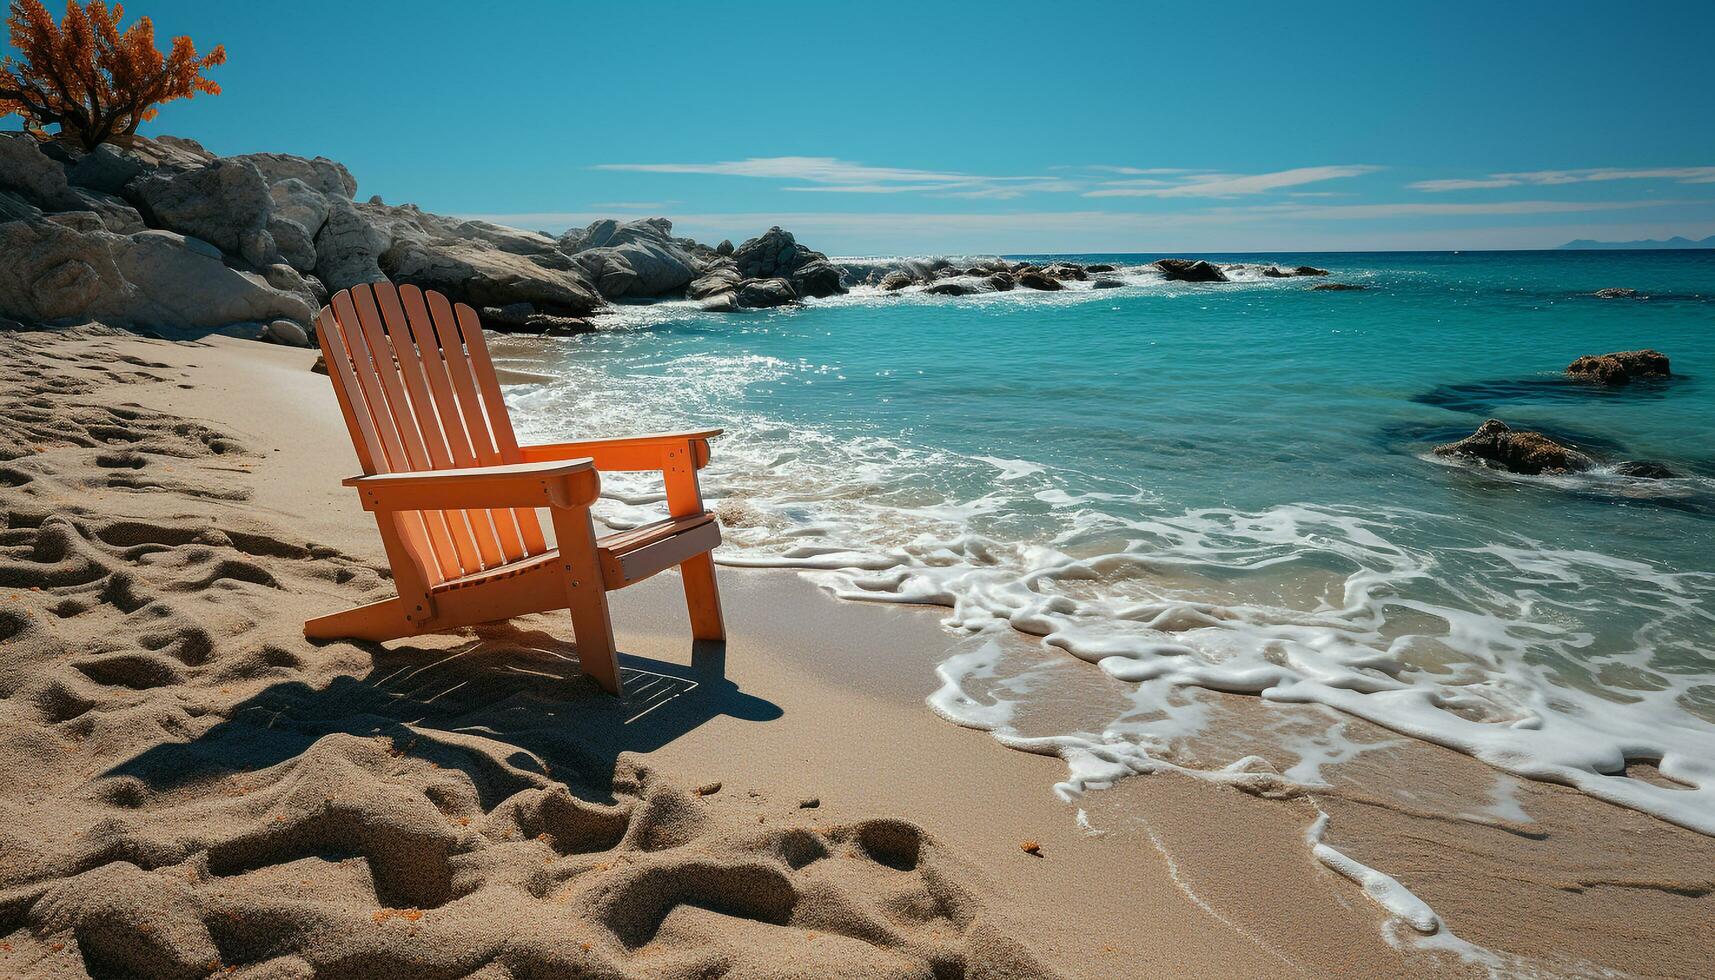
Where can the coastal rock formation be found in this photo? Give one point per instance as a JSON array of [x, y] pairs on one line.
[[348, 248], [478, 263], [720, 277], [757, 294], [818, 277], [1104, 282], [1645, 469], [1496, 445], [1620, 367], [1617, 292], [225, 203], [775, 254], [1066, 271], [56, 273], [897, 280], [28, 172], [1033, 278], [631, 259], [1186, 270]]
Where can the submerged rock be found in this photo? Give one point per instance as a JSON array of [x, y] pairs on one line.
[[1186, 270], [1617, 292], [1496, 445], [1101, 267], [1336, 287], [1309, 270], [1620, 367], [1103, 282], [1645, 469]]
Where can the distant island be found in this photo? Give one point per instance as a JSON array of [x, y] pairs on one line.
[[1677, 241]]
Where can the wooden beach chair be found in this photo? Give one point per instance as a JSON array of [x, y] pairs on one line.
[[456, 497]]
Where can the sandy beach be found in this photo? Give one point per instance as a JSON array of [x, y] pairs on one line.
[[192, 787]]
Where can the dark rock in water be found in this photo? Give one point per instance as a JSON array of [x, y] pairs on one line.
[[1104, 282], [895, 281], [1620, 367], [724, 248], [523, 318], [1066, 270], [1309, 270], [961, 286], [1336, 287], [1645, 469], [1002, 281], [1275, 272], [774, 254], [817, 278], [1529, 453], [758, 294], [1035, 279], [1617, 292], [1101, 267], [1185, 270]]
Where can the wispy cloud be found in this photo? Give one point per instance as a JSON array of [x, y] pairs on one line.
[[634, 205], [1681, 175], [1369, 212], [833, 175], [1227, 185]]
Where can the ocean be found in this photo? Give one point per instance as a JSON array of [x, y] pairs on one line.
[[1229, 486]]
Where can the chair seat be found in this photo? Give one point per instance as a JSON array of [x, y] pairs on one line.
[[626, 556]]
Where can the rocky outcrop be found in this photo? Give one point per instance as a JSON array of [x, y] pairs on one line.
[[106, 169], [55, 273], [758, 294], [299, 212], [1621, 367], [1496, 445], [225, 203], [1645, 469], [31, 174], [1186, 270], [1030, 278], [1104, 282], [319, 173], [897, 280], [348, 247], [774, 254], [720, 277], [470, 266], [1066, 271], [817, 278], [632, 259]]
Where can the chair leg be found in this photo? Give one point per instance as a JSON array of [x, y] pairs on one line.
[[703, 597], [593, 629], [586, 596]]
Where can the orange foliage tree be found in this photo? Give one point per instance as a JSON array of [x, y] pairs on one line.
[[93, 80]]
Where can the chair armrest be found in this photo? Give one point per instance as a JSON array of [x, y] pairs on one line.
[[549, 483], [629, 453]]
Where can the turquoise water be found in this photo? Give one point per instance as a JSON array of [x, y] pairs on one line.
[[1228, 485]]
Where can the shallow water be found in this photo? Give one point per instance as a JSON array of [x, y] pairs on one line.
[[1229, 486]]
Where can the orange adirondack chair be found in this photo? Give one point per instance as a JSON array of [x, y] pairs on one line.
[[456, 497]]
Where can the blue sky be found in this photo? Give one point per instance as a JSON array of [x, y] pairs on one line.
[[996, 126]]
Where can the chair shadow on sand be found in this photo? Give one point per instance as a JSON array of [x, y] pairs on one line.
[[500, 706]]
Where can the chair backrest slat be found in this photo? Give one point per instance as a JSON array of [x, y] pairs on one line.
[[428, 426], [419, 392], [458, 442]]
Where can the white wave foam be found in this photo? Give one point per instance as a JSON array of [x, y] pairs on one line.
[[1554, 664]]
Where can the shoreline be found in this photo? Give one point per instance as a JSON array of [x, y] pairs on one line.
[[816, 698]]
